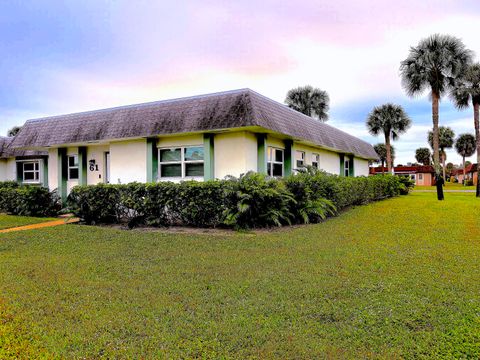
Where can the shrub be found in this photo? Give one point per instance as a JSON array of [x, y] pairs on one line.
[[28, 200], [9, 184], [251, 201], [469, 182], [407, 184]]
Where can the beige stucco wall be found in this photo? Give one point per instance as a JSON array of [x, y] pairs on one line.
[[3, 170], [53, 169], [128, 161], [186, 140], [235, 153], [360, 167], [329, 161], [97, 153]]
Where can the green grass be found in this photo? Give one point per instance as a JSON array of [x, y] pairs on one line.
[[394, 279], [8, 221], [448, 186]]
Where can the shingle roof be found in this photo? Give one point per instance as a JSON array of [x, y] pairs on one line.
[[7, 151], [225, 110]]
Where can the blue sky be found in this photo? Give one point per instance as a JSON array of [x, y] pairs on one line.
[[67, 56]]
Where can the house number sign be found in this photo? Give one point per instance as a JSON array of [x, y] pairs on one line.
[[92, 165]]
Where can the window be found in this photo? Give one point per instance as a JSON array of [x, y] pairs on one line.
[[275, 162], [347, 167], [181, 162], [316, 161], [300, 159], [420, 177], [31, 171], [73, 167]]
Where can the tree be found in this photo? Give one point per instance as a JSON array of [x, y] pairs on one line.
[[423, 155], [13, 131], [310, 101], [465, 146], [381, 151], [391, 120], [446, 138], [434, 64], [450, 168], [465, 91]]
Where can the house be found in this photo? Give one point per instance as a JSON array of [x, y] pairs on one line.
[[422, 174], [25, 166], [470, 171], [201, 137]]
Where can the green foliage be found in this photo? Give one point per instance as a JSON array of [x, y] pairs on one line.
[[468, 182], [407, 185], [251, 201], [465, 145], [423, 155], [446, 138], [310, 101], [28, 200], [254, 200]]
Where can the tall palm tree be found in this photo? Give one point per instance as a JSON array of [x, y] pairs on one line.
[[391, 120], [13, 131], [446, 138], [467, 90], [381, 151], [310, 101], [465, 146], [423, 155], [434, 64]]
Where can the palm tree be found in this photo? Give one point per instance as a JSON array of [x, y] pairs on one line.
[[391, 120], [434, 64], [446, 138], [310, 101], [467, 90], [465, 146], [381, 151], [13, 131], [423, 155]]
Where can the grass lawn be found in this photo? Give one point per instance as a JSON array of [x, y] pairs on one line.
[[8, 221], [394, 279]]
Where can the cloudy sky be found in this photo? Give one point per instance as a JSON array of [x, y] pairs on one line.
[[66, 56]]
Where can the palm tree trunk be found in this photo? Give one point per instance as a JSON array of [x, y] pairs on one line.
[[389, 152], [444, 158], [383, 169], [436, 150], [436, 154], [476, 120], [464, 171]]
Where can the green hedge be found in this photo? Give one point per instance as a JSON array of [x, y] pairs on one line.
[[251, 201], [28, 200]]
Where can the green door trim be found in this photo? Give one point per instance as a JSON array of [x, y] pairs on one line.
[[262, 153], [152, 160], [82, 165], [62, 174], [287, 161]]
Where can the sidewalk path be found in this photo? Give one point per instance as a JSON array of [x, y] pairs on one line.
[[41, 225]]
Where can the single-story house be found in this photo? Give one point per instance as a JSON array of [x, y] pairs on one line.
[[200, 137], [422, 174], [471, 173]]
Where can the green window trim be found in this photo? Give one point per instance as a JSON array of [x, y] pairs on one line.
[[209, 156], [351, 170], [342, 165]]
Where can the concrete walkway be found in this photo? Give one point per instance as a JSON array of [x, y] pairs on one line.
[[41, 225]]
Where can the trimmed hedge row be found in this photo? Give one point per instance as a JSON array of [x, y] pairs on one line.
[[28, 200], [251, 201]]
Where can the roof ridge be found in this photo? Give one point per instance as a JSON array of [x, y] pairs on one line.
[[145, 104], [309, 118]]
